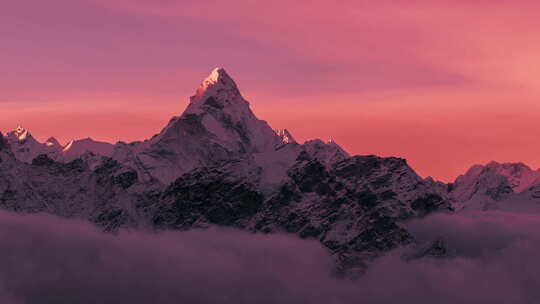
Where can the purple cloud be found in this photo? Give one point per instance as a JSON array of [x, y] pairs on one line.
[[51, 260]]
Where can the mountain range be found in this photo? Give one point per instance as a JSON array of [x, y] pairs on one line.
[[217, 164]]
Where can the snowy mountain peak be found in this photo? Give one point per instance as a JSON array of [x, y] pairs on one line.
[[494, 180], [218, 75], [53, 143], [218, 83], [20, 134], [222, 112], [285, 136]]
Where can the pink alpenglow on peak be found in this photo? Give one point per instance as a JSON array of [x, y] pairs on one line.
[[218, 76], [217, 83], [225, 113]]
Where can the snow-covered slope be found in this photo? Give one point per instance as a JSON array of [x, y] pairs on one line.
[[76, 148]]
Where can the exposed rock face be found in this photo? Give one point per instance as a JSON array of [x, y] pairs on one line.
[[353, 208], [207, 197], [71, 189], [3, 142]]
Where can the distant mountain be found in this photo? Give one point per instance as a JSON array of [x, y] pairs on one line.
[[25, 147], [218, 164], [500, 186]]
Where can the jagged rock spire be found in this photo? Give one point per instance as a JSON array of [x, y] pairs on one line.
[[285, 135], [223, 112]]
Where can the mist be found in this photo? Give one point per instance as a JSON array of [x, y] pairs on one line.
[[45, 259]]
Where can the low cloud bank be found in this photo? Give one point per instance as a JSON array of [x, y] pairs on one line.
[[44, 259], [496, 260]]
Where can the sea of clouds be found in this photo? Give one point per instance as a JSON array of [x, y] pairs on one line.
[[45, 259]]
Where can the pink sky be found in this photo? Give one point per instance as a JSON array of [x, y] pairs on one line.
[[444, 84]]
